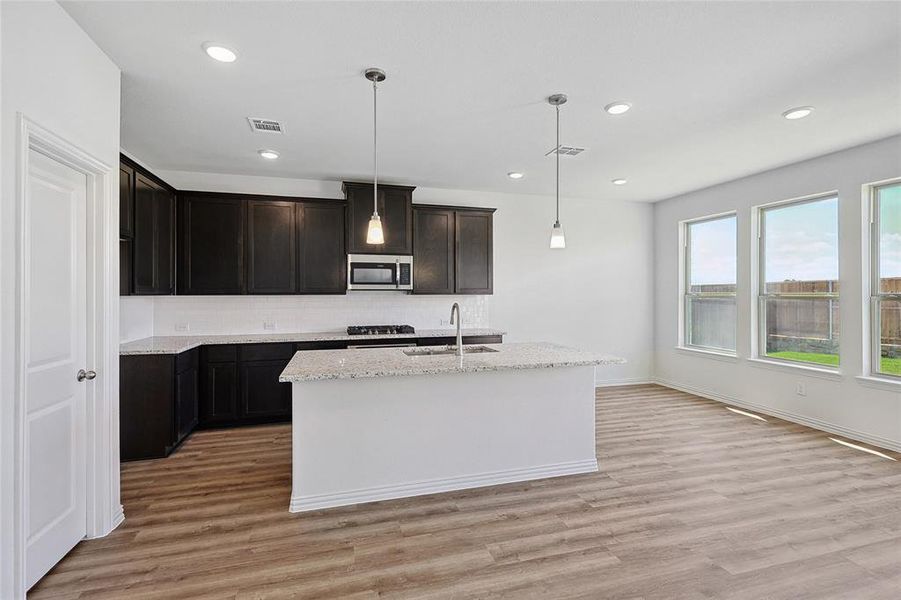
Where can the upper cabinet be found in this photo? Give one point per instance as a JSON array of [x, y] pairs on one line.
[[271, 251], [153, 266], [395, 205], [211, 253], [321, 253], [126, 202], [146, 232], [453, 250], [242, 244]]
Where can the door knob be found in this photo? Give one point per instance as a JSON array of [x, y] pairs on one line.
[[82, 375]]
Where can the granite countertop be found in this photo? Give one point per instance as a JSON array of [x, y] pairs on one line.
[[175, 344], [392, 362]]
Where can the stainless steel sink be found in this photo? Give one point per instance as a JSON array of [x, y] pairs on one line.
[[443, 350]]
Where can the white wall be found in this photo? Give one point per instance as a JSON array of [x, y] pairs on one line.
[[52, 72], [595, 294], [844, 404]]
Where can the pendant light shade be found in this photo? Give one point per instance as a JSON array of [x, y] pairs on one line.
[[558, 239], [375, 234]]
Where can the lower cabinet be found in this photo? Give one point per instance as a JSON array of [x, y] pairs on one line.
[[240, 384], [157, 403], [164, 397]]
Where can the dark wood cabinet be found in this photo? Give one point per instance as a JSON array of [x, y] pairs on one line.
[[271, 247], [475, 252], [126, 201], [212, 249], [433, 250], [153, 265], [321, 256], [187, 393], [240, 384], [219, 389], [453, 250], [157, 403], [395, 206]]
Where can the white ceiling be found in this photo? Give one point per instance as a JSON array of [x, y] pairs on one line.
[[464, 102]]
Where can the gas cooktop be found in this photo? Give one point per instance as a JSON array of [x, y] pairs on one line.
[[379, 329]]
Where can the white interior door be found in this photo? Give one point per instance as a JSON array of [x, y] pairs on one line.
[[54, 322]]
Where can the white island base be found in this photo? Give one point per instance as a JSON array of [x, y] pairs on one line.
[[376, 438]]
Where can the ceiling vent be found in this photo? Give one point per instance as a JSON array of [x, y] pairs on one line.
[[565, 151], [265, 125]]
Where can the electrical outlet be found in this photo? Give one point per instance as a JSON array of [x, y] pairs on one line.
[[444, 322], [269, 325], [182, 327], [801, 389]]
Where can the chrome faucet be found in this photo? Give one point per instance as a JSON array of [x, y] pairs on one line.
[[456, 308]]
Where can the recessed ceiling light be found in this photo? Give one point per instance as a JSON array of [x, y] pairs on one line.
[[514, 175], [619, 182], [617, 108], [800, 112], [268, 154], [219, 52]]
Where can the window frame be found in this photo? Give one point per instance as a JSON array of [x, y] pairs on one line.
[[760, 314], [685, 286], [876, 295]]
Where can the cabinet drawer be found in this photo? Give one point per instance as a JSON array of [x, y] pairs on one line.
[[223, 353], [267, 351]]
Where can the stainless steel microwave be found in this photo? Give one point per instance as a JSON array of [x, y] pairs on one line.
[[379, 272]]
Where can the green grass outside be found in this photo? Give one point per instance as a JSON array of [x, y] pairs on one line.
[[891, 366]]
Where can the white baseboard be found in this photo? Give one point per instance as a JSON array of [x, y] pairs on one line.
[[432, 486], [615, 382], [812, 422]]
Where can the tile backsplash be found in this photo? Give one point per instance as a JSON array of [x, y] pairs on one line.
[[183, 315]]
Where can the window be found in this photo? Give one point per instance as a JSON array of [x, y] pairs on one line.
[[798, 304], [886, 280], [710, 276]]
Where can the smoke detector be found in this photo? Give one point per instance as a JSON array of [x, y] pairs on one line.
[[259, 125], [565, 151]]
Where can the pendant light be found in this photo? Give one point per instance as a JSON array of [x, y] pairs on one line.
[[375, 234], [558, 240]]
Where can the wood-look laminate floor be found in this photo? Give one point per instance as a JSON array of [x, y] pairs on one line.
[[692, 501]]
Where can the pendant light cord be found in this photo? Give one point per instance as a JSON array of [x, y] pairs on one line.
[[375, 154], [557, 153]]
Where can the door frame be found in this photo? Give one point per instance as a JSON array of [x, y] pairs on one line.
[[104, 509]]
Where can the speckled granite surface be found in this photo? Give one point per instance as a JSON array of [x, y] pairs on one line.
[[174, 344], [392, 362]]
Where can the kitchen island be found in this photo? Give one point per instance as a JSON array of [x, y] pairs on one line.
[[385, 423]]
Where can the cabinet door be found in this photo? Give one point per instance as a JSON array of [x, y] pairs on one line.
[[164, 201], [212, 249], [474, 253], [125, 277], [322, 259], [271, 253], [126, 201], [154, 227], [219, 403], [186, 388], [433, 249], [262, 396], [396, 210]]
